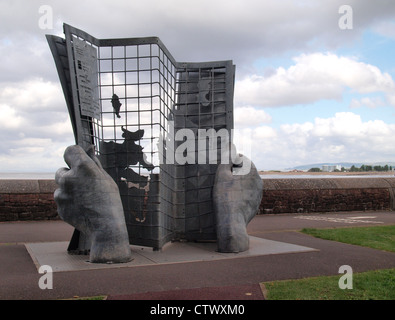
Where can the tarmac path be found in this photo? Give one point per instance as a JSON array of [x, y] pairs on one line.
[[235, 278]]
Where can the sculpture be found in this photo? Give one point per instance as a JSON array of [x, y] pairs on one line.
[[160, 200], [236, 200], [89, 200]]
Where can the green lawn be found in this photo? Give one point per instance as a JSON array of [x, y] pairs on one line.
[[379, 237], [371, 285]]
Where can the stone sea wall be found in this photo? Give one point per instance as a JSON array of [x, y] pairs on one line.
[[22, 200], [327, 195], [33, 199]]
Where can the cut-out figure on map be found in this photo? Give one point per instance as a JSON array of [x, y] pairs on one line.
[[116, 104]]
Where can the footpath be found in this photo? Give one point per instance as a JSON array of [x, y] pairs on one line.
[[210, 278]]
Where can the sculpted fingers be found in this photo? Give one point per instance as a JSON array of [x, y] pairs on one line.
[[77, 159], [60, 176], [75, 156], [91, 154], [63, 203], [242, 166], [224, 172]]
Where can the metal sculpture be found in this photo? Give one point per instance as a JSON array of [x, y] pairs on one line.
[[148, 118]]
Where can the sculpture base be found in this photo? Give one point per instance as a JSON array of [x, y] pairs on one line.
[[55, 254]]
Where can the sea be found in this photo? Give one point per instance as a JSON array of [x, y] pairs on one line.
[[323, 176], [27, 175]]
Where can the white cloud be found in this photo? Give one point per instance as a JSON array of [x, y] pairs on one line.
[[33, 94], [312, 78], [32, 105], [343, 137], [25, 56], [250, 117], [371, 103], [9, 118], [208, 30], [264, 132], [45, 157], [34, 125], [386, 29]]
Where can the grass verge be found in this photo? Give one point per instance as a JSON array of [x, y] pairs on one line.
[[371, 285], [378, 237]]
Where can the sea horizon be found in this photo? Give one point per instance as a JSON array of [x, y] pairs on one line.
[[27, 175], [279, 175]]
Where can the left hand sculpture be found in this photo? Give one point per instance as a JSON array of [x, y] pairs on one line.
[[88, 199]]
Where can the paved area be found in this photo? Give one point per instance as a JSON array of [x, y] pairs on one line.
[[235, 277], [53, 254]]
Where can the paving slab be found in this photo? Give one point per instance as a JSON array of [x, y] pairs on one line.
[[54, 254]]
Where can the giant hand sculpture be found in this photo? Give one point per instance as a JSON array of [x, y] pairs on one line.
[[236, 196], [89, 200]]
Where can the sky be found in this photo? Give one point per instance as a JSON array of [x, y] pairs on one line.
[[315, 80]]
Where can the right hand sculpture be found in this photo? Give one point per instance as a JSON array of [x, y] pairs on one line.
[[88, 199], [236, 201]]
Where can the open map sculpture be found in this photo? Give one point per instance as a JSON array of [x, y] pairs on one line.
[[141, 171]]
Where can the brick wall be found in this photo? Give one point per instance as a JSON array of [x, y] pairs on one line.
[[305, 201], [327, 195], [33, 199], [27, 200]]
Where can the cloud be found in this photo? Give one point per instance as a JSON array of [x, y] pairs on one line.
[[25, 56], [371, 103], [34, 108], [386, 29], [313, 77], [45, 157], [9, 118], [250, 117], [343, 137], [34, 126], [33, 94], [204, 29]]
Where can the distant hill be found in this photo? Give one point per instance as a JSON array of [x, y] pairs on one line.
[[343, 164]]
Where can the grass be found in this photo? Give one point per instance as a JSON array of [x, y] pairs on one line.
[[371, 285], [378, 237]]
